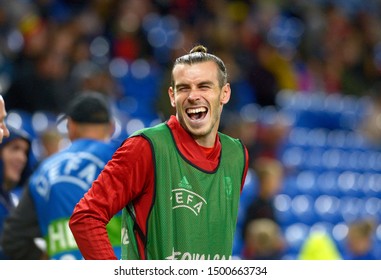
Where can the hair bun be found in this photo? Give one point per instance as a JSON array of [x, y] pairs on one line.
[[199, 48]]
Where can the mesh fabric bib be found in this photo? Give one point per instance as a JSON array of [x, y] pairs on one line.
[[194, 212]]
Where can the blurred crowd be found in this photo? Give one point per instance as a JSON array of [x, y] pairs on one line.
[[52, 50], [61, 45]]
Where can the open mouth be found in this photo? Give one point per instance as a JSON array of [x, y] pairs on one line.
[[196, 114]]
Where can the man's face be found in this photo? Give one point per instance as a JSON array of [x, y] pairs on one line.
[[15, 157], [4, 132], [198, 100]]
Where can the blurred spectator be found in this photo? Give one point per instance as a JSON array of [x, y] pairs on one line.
[[271, 73], [87, 75], [270, 136], [42, 88], [50, 142], [360, 240], [319, 246], [263, 138], [264, 240], [269, 174], [59, 183], [128, 29], [244, 129], [370, 125], [40, 80], [14, 171], [262, 80]]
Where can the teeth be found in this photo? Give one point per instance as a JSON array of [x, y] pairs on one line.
[[196, 110]]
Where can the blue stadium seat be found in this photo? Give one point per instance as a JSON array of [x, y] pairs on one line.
[[327, 183], [306, 183], [330, 166], [20, 119], [302, 207], [282, 205], [327, 209], [372, 208], [295, 235], [339, 234], [289, 186], [349, 185], [350, 208], [42, 120], [293, 157]]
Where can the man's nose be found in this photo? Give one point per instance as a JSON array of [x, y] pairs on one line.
[[194, 94]]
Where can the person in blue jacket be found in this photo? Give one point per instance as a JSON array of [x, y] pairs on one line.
[[14, 172], [59, 183]]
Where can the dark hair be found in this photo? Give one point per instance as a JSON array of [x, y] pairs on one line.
[[89, 107], [200, 54]]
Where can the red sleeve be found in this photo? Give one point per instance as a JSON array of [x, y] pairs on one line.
[[125, 177]]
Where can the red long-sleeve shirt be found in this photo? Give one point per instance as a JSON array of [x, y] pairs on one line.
[[129, 177]]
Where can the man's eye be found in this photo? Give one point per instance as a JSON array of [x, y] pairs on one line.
[[206, 86]]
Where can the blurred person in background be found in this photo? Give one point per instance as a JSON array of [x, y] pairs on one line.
[[262, 139], [42, 88], [360, 240], [263, 240], [370, 124], [50, 142], [14, 172], [269, 174], [319, 245], [269, 137], [60, 182]]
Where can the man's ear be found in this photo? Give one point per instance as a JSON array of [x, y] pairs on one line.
[[171, 95], [112, 127], [226, 92], [72, 128]]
